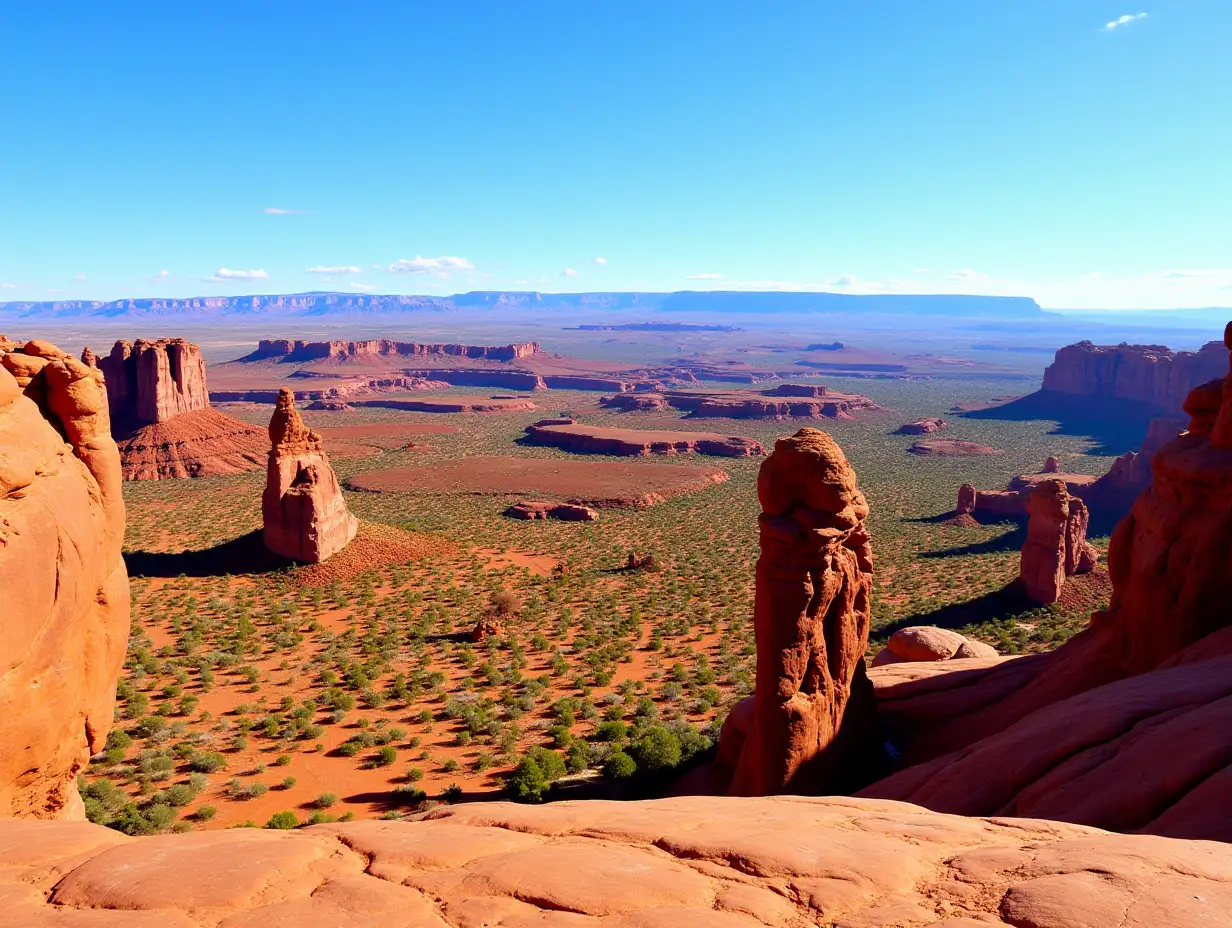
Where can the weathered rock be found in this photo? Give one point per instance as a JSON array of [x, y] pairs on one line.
[[812, 716], [665, 864], [922, 426], [64, 599], [1052, 466], [967, 498], [329, 406], [541, 509], [152, 381], [1056, 546], [292, 350], [201, 443], [951, 447], [596, 439], [304, 513], [927, 643], [488, 626]]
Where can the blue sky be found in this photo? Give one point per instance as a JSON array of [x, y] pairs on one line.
[[981, 146]]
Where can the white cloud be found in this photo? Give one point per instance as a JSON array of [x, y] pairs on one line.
[[1124, 21], [1185, 275], [847, 280], [568, 272], [225, 273], [79, 277], [5, 285], [279, 211], [600, 261], [346, 269], [704, 277], [966, 274], [161, 275], [422, 265], [366, 288]]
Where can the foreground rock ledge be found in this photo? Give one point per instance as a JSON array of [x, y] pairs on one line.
[[686, 863]]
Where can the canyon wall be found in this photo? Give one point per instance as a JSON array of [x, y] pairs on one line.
[[291, 350], [1155, 376], [152, 381], [64, 598]]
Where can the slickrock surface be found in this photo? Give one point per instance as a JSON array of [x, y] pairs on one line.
[[1056, 546], [678, 863], [950, 447], [202, 443], [152, 381], [64, 599], [1152, 375], [923, 427], [1125, 725], [541, 509], [929, 643], [597, 439], [810, 721], [304, 513]]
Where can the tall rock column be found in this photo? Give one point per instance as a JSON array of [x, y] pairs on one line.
[[812, 715], [64, 599], [1056, 545], [303, 510], [154, 380]]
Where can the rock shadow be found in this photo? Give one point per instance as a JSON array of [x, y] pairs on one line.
[[1007, 541], [1115, 425], [244, 555], [999, 604]]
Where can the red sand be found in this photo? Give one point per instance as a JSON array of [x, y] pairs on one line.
[[606, 484]]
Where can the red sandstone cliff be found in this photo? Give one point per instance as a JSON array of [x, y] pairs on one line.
[[64, 599], [152, 381], [291, 350]]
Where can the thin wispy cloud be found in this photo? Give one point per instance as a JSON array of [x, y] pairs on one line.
[[5, 285], [280, 211], [847, 280], [600, 261], [966, 274], [568, 272], [340, 269], [227, 274], [161, 275], [79, 277], [704, 277], [366, 288], [1124, 21], [422, 265]]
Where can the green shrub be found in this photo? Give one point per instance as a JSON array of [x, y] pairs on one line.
[[283, 821], [619, 766], [325, 800], [527, 783]]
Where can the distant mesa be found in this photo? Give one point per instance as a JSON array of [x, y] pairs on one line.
[[785, 401], [161, 416], [596, 439], [922, 427], [597, 484], [304, 514], [329, 406], [825, 346], [950, 447], [854, 367], [541, 509], [285, 350], [339, 392]]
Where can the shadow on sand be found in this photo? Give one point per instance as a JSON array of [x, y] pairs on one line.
[[244, 555], [999, 604], [1116, 426]]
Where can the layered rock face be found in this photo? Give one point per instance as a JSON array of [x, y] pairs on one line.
[[1149, 374], [786, 401], [596, 439], [291, 350], [304, 514], [1056, 545], [678, 863], [64, 600], [1124, 726], [153, 381], [811, 718]]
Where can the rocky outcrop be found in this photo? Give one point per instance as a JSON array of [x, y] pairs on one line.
[[678, 863], [153, 381], [482, 377], [1151, 375], [950, 447], [202, 443], [64, 599], [337, 393], [634, 402], [541, 509], [811, 722], [304, 513], [922, 427], [455, 404], [810, 390], [595, 439], [293, 350], [1124, 725], [1056, 546], [786, 401], [923, 643]]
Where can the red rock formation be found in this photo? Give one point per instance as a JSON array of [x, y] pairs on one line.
[[923, 427], [292, 350], [482, 377], [1052, 466], [303, 510], [565, 512], [64, 600], [797, 389], [595, 439], [1134, 701], [690, 862], [152, 381], [1056, 545], [201, 443], [928, 643], [634, 402], [949, 447], [1149, 374], [811, 716], [583, 382], [337, 393]]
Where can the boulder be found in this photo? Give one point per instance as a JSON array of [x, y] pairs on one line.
[[927, 643], [304, 514], [811, 722], [1052, 466], [64, 598], [541, 509]]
